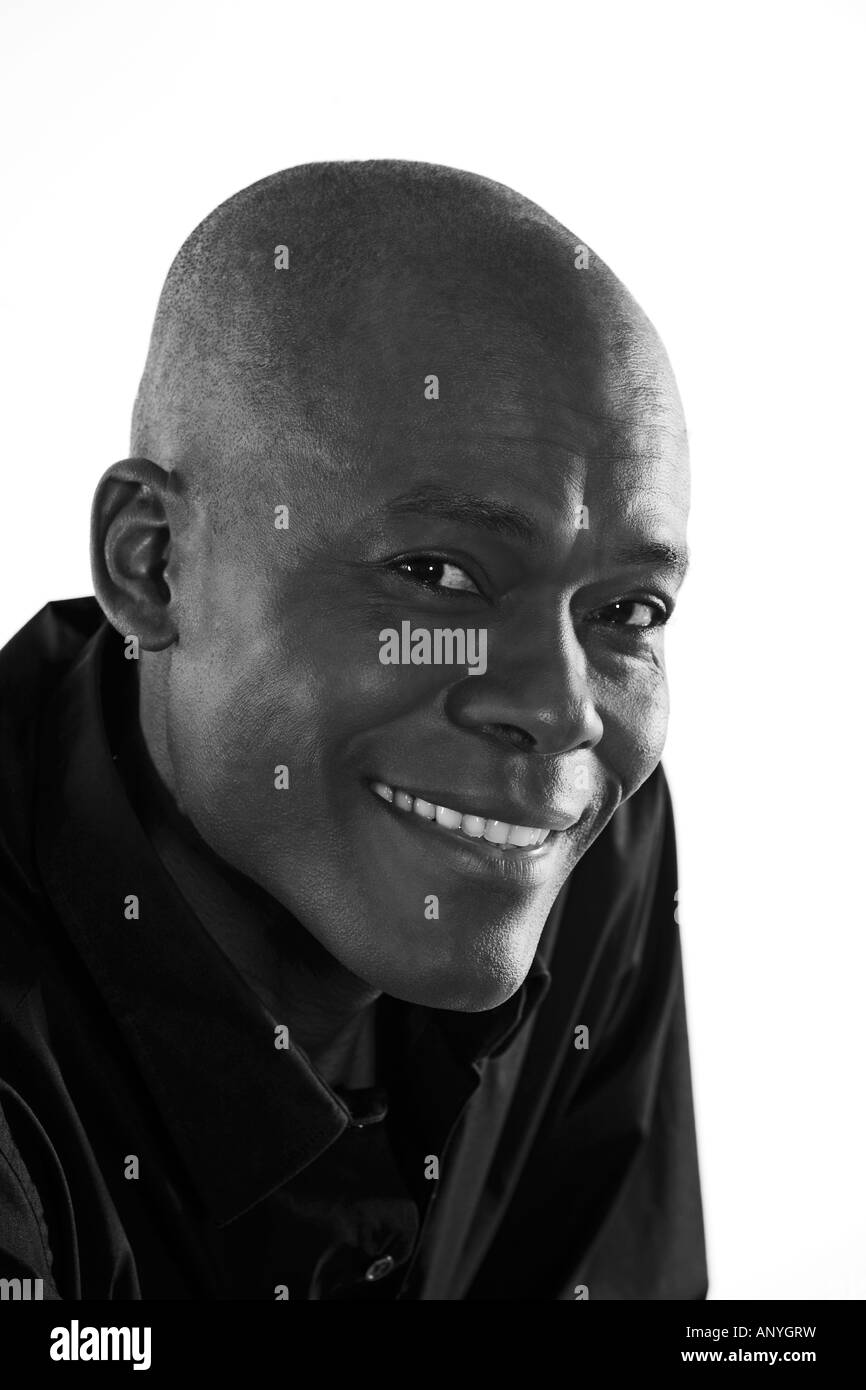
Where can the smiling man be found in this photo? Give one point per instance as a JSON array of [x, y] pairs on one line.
[[340, 963]]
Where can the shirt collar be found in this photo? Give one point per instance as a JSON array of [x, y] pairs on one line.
[[197, 1031]]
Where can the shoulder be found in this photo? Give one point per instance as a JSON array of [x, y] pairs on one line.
[[620, 899], [25, 1249], [32, 664]]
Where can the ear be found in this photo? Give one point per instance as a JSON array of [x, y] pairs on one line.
[[130, 544]]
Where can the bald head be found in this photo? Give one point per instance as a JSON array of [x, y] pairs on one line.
[[385, 258]]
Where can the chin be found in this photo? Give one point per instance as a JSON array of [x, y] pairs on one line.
[[471, 989]]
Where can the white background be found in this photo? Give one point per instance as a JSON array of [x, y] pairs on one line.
[[713, 155]]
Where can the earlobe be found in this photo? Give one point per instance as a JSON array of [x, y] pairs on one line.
[[130, 544]]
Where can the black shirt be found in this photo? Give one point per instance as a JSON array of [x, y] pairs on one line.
[[155, 1142]]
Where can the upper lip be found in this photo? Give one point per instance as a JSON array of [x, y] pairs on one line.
[[489, 807]]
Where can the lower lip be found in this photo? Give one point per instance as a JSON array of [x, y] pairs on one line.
[[526, 864]]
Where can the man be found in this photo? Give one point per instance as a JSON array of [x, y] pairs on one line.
[[338, 925]]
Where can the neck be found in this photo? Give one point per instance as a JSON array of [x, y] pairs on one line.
[[329, 1012]]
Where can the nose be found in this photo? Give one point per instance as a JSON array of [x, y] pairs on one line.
[[535, 693]]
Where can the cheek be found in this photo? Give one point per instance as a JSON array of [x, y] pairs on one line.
[[226, 734], [635, 711], [306, 702]]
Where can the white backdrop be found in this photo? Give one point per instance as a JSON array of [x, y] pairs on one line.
[[713, 155]]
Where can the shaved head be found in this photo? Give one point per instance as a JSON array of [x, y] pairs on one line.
[[378, 251], [432, 410]]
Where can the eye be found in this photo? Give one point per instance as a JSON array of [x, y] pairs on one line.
[[632, 613], [434, 573]]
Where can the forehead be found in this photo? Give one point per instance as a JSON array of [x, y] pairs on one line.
[[419, 384], [524, 492], [546, 427]]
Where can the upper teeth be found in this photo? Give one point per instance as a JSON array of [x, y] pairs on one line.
[[498, 832]]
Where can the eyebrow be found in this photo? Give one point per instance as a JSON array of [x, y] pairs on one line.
[[469, 508], [506, 520], [659, 554]]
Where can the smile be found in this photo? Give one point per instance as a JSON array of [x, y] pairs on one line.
[[500, 833]]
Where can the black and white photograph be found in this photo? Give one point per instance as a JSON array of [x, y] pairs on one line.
[[429, 673]]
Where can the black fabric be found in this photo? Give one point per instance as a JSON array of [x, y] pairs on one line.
[[155, 1144]]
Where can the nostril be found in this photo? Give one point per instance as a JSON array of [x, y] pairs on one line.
[[510, 733]]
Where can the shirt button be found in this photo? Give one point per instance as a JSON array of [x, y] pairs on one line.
[[379, 1268]]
